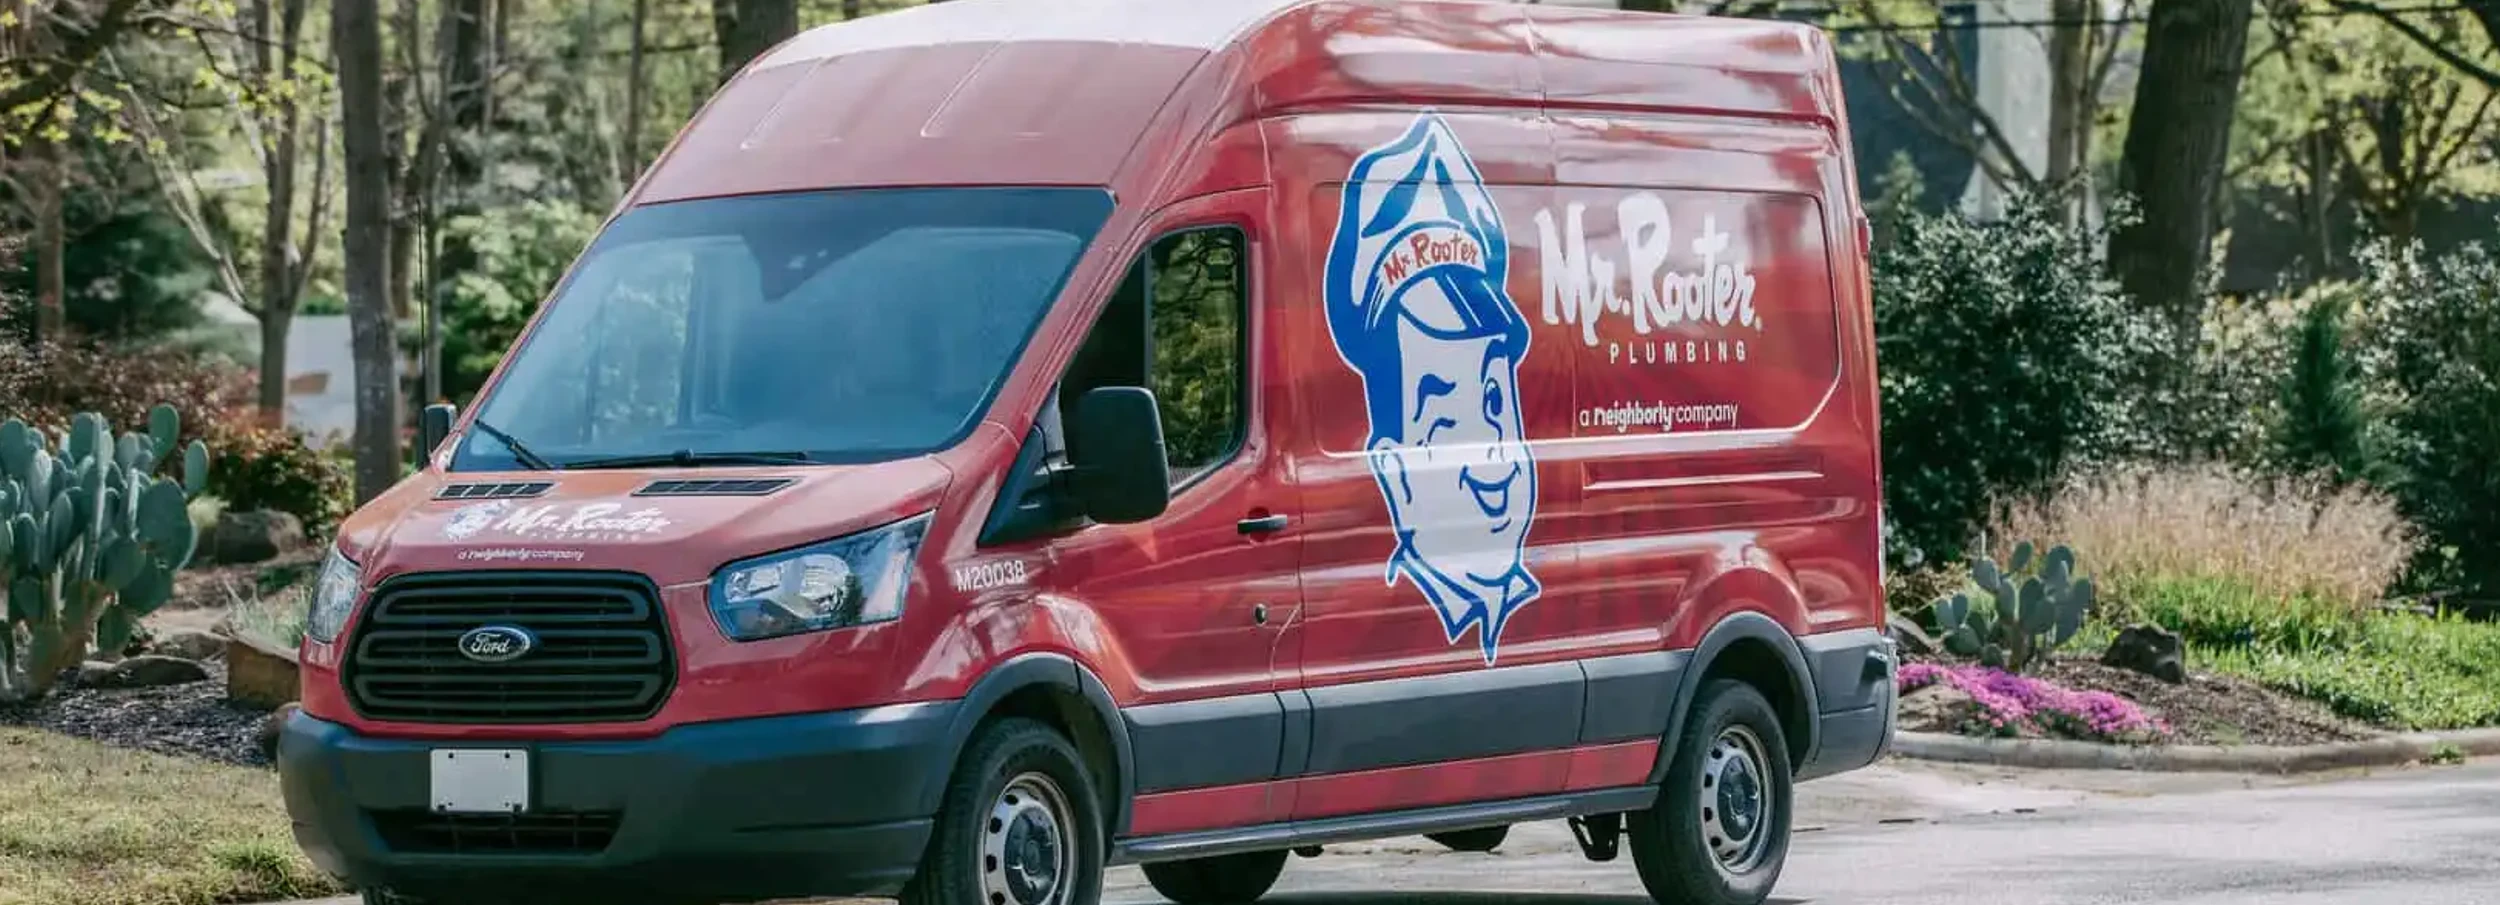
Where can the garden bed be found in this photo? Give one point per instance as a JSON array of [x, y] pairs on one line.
[[2207, 709]]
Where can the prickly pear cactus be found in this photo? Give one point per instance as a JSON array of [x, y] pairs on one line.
[[2035, 605], [92, 539]]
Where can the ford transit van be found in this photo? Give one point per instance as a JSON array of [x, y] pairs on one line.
[[1004, 439]]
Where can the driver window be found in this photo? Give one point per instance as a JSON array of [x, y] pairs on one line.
[[1175, 326]]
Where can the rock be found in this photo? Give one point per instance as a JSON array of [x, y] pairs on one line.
[[270, 728], [1935, 708], [250, 537], [260, 675], [2150, 650], [190, 645], [147, 671], [1914, 640]]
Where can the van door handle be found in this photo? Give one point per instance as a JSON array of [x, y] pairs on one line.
[[1265, 524]]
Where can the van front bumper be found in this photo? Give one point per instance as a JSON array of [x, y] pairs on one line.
[[835, 804]]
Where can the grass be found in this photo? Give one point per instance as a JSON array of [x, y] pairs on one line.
[[275, 616], [2136, 527], [87, 824], [2398, 670]]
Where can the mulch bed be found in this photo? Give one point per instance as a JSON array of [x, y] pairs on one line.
[[2214, 710], [193, 719]]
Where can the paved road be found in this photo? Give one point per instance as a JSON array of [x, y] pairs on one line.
[[1907, 833], [2418, 837]]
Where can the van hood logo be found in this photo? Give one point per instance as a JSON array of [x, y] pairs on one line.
[[471, 519], [497, 643], [555, 521], [1418, 305]]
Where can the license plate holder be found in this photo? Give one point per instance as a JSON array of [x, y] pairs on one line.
[[480, 780]]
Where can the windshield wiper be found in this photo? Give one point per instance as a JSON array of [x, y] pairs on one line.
[[686, 458], [520, 450]]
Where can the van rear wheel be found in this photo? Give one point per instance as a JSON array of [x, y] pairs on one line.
[[1718, 834], [1482, 839], [1221, 880], [1020, 825]]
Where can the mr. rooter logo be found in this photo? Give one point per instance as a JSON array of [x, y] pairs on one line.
[[1666, 304]]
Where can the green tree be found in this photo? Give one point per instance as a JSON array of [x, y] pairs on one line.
[[522, 252], [2324, 429]]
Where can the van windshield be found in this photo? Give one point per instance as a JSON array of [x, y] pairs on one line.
[[846, 326]]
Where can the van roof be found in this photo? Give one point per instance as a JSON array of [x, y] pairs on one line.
[[1062, 92]]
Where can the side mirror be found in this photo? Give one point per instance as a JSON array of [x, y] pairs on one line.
[[1116, 445], [433, 427]]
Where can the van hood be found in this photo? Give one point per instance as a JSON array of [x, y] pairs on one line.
[[674, 525]]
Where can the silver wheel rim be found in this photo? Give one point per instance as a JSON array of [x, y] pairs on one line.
[[1736, 801], [1026, 853]]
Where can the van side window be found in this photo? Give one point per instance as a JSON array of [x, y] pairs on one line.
[[1175, 327]]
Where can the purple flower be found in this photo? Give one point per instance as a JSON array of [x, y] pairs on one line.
[[2010, 704]]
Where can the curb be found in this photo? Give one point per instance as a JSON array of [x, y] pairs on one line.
[[2059, 754]]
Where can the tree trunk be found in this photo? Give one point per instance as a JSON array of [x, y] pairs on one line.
[[2070, 96], [850, 10], [637, 85], [274, 326], [279, 258], [51, 241], [465, 89], [2175, 153], [357, 39], [747, 28]]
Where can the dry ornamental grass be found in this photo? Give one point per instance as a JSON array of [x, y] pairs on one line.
[[2284, 539]]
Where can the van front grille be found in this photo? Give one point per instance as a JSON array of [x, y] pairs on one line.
[[430, 833], [599, 649]]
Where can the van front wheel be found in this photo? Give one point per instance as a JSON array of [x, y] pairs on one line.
[[1019, 826], [1719, 832]]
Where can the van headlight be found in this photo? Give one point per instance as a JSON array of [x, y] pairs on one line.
[[334, 597], [856, 580]]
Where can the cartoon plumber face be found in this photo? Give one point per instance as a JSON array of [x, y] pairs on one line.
[[1418, 307]]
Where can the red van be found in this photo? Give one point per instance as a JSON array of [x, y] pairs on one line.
[[1003, 439]]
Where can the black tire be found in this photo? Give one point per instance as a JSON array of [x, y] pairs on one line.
[[1689, 857], [1221, 880], [1043, 771], [1481, 839]]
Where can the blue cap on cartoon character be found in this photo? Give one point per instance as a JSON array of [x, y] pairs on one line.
[[1418, 306]]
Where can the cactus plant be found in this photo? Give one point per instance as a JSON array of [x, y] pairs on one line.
[[2035, 605], [93, 538]]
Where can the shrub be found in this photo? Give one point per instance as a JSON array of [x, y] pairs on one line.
[[2009, 705], [1912, 591], [53, 381], [2005, 359], [2280, 538], [262, 467], [2229, 405], [2324, 428], [2433, 347]]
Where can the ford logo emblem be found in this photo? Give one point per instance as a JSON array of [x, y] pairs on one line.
[[497, 643]]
